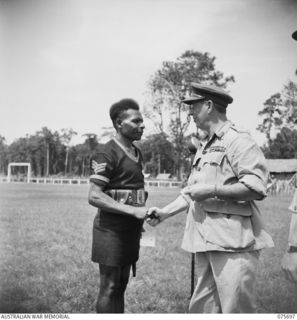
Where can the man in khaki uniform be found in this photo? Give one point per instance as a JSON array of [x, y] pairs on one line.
[[224, 226]]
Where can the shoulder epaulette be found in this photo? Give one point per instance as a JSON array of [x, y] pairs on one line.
[[239, 129]]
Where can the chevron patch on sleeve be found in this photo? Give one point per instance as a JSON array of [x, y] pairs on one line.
[[98, 167]]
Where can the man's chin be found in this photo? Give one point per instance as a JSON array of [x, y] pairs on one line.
[[138, 137]]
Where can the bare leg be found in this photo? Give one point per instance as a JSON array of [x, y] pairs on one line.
[[113, 283]]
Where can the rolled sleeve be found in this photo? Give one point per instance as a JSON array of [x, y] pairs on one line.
[[249, 164], [254, 183]]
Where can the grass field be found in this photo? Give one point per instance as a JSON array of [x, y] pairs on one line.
[[45, 246]]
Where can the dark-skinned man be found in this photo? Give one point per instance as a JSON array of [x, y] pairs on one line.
[[117, 190]]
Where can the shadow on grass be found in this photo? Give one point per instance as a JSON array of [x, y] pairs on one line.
[[17, 300]]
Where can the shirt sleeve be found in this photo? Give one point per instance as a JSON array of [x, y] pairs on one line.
[[101, 168], [248, 163]]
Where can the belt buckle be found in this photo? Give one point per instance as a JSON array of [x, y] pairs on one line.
[[140, 197]]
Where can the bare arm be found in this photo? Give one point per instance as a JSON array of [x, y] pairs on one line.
[[176, 206], [99, 199]]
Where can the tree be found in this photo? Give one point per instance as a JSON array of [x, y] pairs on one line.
[[158, 154], [272, 112], [289, 94], [3, 154], [66, 136], [284, 146], [167, 88], [36, 154], [92, 145], [46, 134], [279, 111]]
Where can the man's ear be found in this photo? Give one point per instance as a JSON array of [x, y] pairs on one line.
[[210, 106], [119, 122]]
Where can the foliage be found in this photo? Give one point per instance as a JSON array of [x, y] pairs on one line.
[[50, 153], [158, 154], [290, 105], [3, 155], [284, 146], [279, 123], [272, 115], [167, 88], [66, 137]]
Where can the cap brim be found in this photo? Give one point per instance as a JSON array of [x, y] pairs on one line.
[[192, 100]]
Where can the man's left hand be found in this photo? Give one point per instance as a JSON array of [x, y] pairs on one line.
[[289, 266], [199, 191]]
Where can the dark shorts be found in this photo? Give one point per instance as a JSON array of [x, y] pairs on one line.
[[114, 248]]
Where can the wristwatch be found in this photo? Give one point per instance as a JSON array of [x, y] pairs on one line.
[[292, 249]]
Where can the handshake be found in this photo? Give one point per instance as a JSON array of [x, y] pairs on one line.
[[196, 192], [154, 216]]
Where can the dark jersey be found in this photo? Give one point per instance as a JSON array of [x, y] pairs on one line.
[[114, 168]]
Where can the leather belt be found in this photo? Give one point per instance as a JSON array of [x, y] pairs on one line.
[[134, 198]]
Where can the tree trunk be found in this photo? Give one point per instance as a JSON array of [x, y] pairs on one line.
[[47, 159], [66, 160]]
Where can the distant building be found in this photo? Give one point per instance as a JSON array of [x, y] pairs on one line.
[[282, 169], [282, 174], [163, 176]]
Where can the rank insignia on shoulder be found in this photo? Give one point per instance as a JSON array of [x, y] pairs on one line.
[[239, 129], [98, 167]]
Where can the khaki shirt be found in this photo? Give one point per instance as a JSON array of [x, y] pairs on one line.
[[230, 156]]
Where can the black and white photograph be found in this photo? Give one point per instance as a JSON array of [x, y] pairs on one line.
[[148, 158]]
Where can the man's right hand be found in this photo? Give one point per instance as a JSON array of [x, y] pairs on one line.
[[154, 216], [140, 212]]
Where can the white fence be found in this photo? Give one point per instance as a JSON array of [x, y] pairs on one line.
[[60, 181], [275, 188]]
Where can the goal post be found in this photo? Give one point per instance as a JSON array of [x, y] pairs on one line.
[[19, 164]]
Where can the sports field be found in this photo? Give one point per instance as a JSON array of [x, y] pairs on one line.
[[45, 245]]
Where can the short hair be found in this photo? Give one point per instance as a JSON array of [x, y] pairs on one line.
[[119, 107]]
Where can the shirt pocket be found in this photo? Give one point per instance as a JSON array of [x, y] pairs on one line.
[[211, 164], [231, 232]]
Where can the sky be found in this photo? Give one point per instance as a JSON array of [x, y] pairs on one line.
[[64, 63]]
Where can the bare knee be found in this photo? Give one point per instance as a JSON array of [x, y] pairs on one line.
[[109, 289], [113, 281]]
